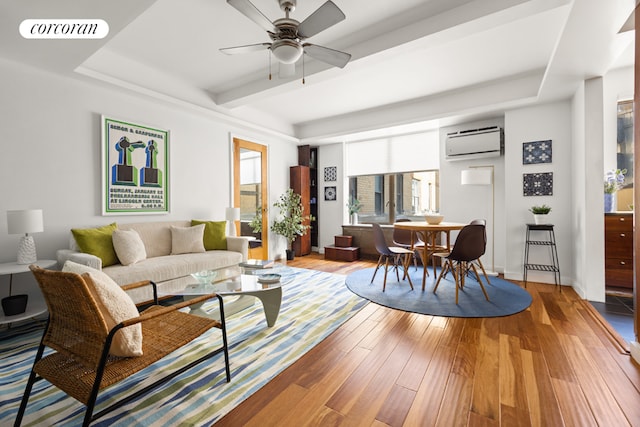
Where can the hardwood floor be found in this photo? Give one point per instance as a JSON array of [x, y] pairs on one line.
[[550, 365]]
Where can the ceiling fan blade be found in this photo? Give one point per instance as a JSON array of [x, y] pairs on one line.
[[324, 17], [324, 54], [250, 11], [245, 49], [286, 70]]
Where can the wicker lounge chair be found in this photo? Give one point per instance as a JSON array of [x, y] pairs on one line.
[[81, 365]]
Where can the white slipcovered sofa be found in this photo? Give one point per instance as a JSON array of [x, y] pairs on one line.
[[167, 270]]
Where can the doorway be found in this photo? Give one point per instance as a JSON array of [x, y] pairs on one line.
[[250, 195]]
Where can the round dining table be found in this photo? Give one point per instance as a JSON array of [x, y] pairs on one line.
[[428, 233]]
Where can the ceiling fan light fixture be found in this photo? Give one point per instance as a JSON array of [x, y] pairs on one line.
[[286, 51]]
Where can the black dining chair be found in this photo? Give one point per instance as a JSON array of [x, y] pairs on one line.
[[468, 247], [402, 239], [390, 253], [483, 223]]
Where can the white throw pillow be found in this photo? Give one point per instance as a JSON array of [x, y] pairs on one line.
[[129, 247], [187, 240], [115, 306]]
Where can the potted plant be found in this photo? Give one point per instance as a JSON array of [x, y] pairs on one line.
[[290, 223], [256, 223], [613, 181], [540, 213], [354, 207]]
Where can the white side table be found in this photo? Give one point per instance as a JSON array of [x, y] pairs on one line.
[[34, 308]]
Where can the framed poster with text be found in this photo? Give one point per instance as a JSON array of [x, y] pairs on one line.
[[135, 168]]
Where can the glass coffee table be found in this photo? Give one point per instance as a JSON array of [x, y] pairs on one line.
[[263, 284]]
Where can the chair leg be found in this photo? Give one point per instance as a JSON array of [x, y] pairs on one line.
[[396, 262], [386, 269], [458, 279], [377, 267], [484, 291], [32, 379], [473, 268], [483, 271], [25, 398], [463, 273], [443, 272], [406, 264]]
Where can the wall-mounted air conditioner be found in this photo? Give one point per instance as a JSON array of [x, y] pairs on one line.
[[475, 143]]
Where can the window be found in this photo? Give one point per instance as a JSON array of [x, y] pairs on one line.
[[415, 195], [386, 197], [399, 193]]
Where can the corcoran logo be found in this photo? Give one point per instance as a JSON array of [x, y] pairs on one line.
[[64, 29]]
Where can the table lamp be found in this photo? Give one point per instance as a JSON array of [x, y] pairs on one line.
[[25, 222], [232, 215]]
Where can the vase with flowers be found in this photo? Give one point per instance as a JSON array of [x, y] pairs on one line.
[[613, 181], [354, 207]]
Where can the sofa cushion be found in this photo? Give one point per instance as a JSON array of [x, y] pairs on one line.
[[215, 234], [156, 236], [128, 246], [115, 306], [97, 241], [161, 269], [187, 240]]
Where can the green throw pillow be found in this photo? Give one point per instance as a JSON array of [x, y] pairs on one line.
[[98, 242], [215, 234]]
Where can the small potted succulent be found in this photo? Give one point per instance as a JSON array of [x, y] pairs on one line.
[[540, 213]]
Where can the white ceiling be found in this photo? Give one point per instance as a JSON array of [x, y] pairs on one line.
[[415, 63]]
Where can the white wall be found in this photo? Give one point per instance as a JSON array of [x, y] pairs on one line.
[[542, 122], [51, 156], [578, 195], [331, 213], [593, 285], [463, 204]]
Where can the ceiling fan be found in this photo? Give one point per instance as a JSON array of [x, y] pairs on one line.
[[288, 35]]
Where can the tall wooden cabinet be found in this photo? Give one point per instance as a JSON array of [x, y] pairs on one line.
[[308, 156], [299, 182], [618, 250]]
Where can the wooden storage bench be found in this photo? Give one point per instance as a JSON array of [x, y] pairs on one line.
[[342, 250]]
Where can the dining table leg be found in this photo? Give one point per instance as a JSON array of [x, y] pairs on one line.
[[425, 254]]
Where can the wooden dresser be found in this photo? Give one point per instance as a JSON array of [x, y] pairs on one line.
[[618, 250]]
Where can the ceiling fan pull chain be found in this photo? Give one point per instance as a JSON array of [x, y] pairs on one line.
[[269, 53], [303, 68]]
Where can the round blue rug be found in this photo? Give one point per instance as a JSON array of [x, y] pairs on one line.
[[505, 298]]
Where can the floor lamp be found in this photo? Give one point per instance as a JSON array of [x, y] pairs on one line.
[[483, 175]]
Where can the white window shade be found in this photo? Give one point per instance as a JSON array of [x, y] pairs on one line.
[[415, 152]]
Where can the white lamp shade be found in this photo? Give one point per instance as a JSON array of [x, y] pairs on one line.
[[25, 221], [476, 176], [286, 51], [232, 214]]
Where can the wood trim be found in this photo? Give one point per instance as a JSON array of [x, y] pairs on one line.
[[239, 144]]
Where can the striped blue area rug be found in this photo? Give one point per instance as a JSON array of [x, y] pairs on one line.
[[314, 305]]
